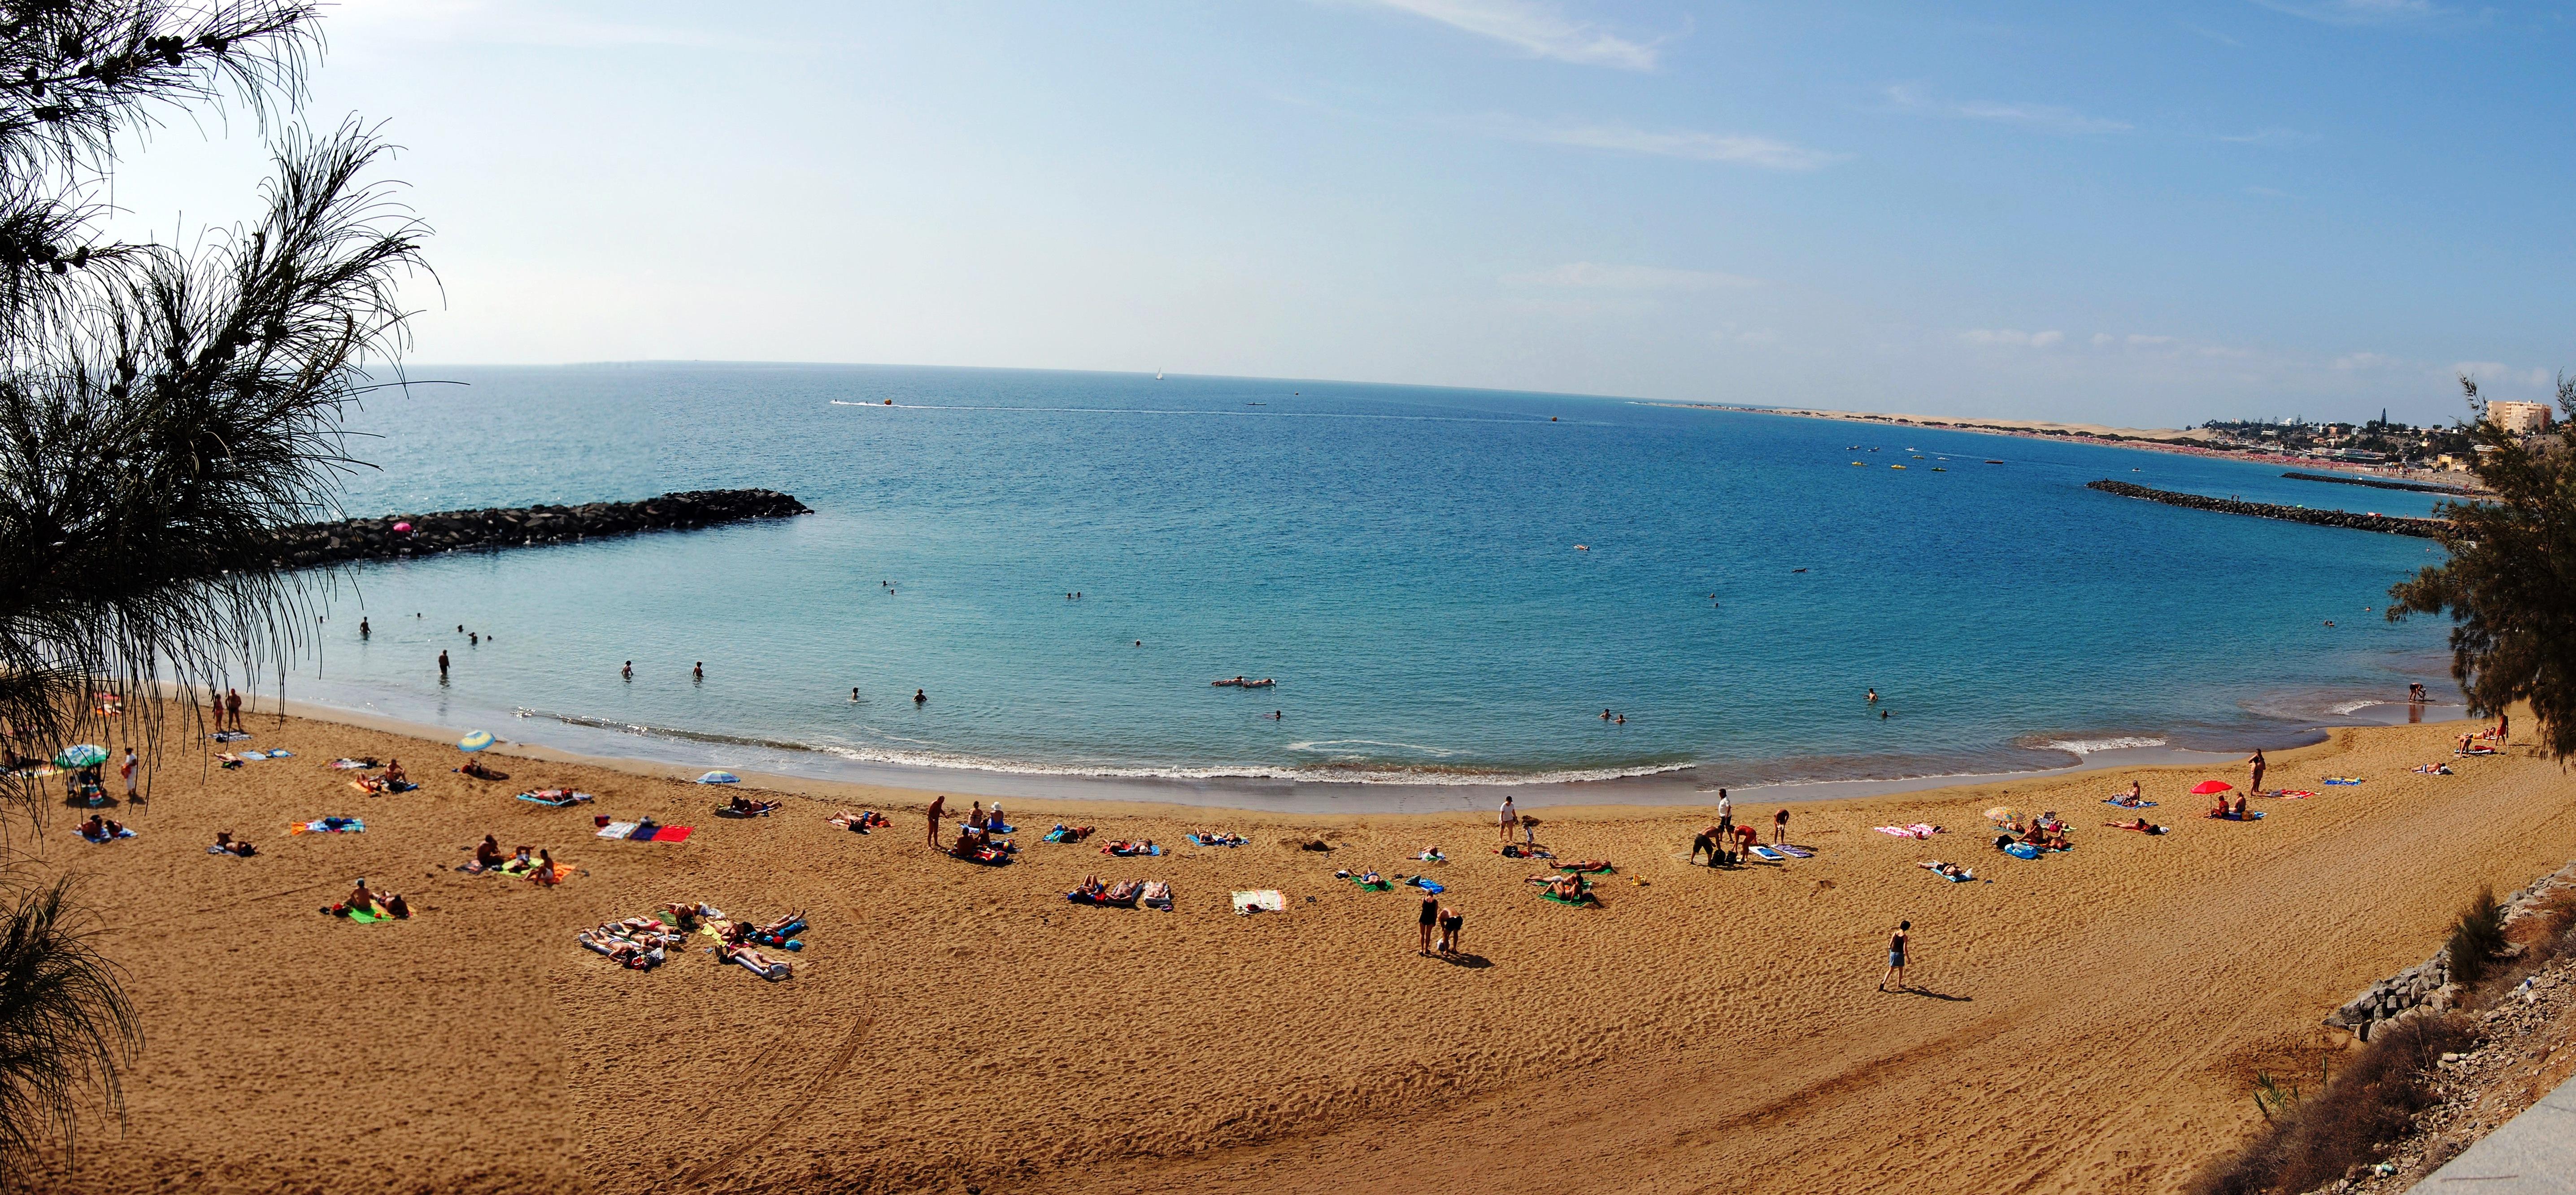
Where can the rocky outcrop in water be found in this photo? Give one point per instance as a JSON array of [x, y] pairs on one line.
[[2425, 528], [2381, 483], [459, 530]]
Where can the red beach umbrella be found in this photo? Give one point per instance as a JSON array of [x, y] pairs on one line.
[[2206, 787]]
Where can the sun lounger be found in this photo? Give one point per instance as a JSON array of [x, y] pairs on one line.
[[1266, 900]]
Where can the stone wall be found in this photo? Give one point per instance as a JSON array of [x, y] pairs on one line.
[[312, 544], [2426, 528], [2426, 985]]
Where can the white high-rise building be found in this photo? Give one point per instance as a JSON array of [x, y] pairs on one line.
[[2519, 416]]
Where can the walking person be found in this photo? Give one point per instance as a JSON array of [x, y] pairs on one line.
[[1896, 956], [938, 805], [1510, 817], [1430, 920], [2254, 763]]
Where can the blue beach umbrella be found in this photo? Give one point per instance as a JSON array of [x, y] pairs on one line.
[[719, 778], [81, 756], [475, 741]]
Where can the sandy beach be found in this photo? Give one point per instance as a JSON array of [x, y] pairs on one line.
[[2084, 1021]]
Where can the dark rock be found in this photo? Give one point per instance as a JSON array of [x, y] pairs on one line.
[[2424, 528], [451, 530]]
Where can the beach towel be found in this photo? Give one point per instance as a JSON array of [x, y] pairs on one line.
[[1573, 902], [1917, 830], [1368, 885], [1208, 840], [2130, 804], [229, 736], [122, 832], [777, 971], [1767, 854], [2251, 815], [1795, 851], [2476, 751], [1081, 897], [363, 917], [2022, 850], [1266, 900], [329, 825], [559, 800], [1158, 895], [2343, 779], [2435, 769], [671, 834], [352, 765], [1965, 874], [616, 830], [1128, 851], [1431, 886], [999, 828]]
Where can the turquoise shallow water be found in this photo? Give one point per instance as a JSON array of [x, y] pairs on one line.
[[1449, 585]]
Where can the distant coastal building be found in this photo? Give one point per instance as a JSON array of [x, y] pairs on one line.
[[2518, 416]]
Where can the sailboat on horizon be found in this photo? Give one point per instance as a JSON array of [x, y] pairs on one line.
[[1158, 375]]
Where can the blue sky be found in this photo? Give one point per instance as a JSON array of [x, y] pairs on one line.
[[2143, 214]]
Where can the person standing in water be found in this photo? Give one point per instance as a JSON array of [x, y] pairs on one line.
[[2254, 764], [919, 697], [628, 671], [1873, 696], [362, 626], [699, 672], [1896, 956], [442, 665]]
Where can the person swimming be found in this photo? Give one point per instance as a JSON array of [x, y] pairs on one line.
[[919, 697]]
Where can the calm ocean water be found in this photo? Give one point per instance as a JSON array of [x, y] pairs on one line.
[[1448, 585]]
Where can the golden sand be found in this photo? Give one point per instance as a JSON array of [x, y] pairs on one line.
[[2085, 1022]]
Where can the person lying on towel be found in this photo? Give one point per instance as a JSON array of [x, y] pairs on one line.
[[100, 829], [748, 807], [226, 843], [2141, 825], [475, 768]]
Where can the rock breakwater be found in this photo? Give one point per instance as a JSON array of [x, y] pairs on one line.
[[2381, 483], [400, 535], [2393, 524]]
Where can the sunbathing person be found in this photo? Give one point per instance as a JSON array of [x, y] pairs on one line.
[[546, 874], [2219, 809], [747, 807], [2240, 808], [1123, 891], [475, 768], [2056, 841], [767, 967], [1950, 870], [2139, 824], [359, 900], [1091, 889], [225, 842], [522, 861], [394, 774], [488, 855]]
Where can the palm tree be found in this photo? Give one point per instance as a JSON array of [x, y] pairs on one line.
[[162, 415], [65, 1028], [2510, 583]]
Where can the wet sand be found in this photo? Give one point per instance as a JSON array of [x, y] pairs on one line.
[[2082, 1022]]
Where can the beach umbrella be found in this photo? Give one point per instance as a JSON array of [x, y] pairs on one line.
[[2206, 787], [719, 778], [82, 756], [475, 741], [2000, 813]]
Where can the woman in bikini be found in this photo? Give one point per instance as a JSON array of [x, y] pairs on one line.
[[1896, 957]]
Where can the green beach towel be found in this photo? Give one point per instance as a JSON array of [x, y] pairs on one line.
[[1379, 886], [1547, 895]]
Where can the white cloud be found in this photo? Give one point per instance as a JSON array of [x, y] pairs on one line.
[[2044, 117], [2357, 12], [1538, 30], [2350, 362], [1595, 276], [2137, 341], [2487, 373], [1676, 143], [2014, 337], [2104, 340]]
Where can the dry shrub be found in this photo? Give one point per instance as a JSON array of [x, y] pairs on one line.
[[2370, 1104], [2476, 938]]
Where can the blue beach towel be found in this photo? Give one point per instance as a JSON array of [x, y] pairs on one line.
[[1430, 886], [2022, 850]]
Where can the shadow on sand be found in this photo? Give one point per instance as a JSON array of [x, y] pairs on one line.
[[1473, 962]]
